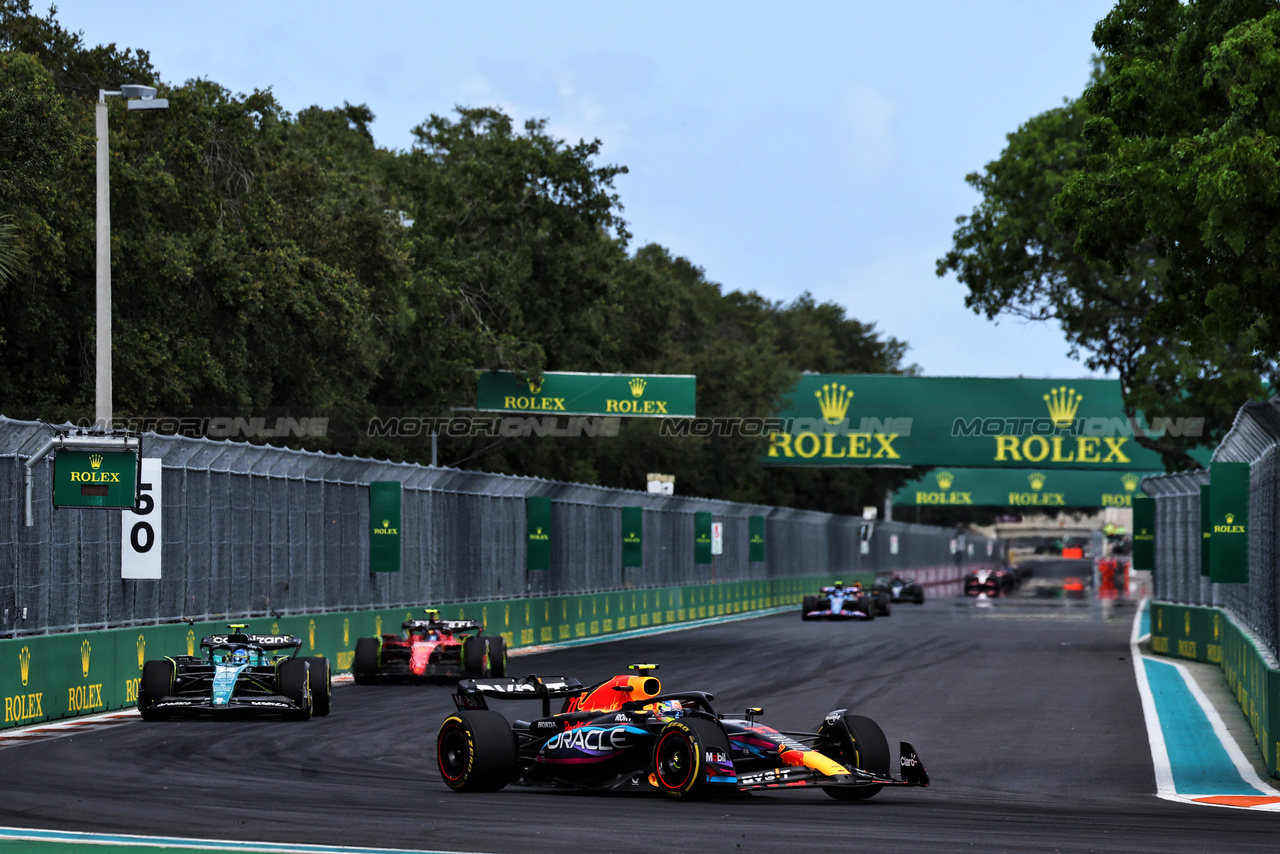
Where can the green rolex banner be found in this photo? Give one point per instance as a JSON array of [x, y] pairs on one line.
[[632, 536], [95, 479], [646, 395], [975, 422], [701, 538], [1144, 532], [1206, 529], [537, 550], [755, 533], [990, 487], [384, 526], [1229, 517]]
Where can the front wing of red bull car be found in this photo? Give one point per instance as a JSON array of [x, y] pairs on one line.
[[627, 734], [237, 675]]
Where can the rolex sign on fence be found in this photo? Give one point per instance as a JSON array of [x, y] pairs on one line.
[[632, 536], [384, 526], [95, 478], [1229, 523], [537, 550]]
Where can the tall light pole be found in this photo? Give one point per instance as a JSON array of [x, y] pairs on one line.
[[139, 98]]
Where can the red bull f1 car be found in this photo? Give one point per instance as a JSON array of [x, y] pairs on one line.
[[430, 649], [846, 602], [237, 675], [628, 734]]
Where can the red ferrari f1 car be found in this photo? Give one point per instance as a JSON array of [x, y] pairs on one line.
[[627, 734], [430, 649]]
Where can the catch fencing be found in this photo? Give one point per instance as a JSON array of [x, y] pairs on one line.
[[252, 530], [1177, 578]]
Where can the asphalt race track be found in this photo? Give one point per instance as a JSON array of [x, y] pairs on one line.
[[1025, 713]]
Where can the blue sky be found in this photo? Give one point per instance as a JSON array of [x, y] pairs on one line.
[[784, 148]]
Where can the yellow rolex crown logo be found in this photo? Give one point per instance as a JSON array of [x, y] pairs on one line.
[[142, 650], [1036, 480], [1063, 403], [1231, 517], [535, 386], [386, 523], [1130, 481], [95, 461], [346, 631], [377, 625], [85, 649], [191, 642], [833, 400], [945, 479], [24, 663], [637, 386], [311, 634]]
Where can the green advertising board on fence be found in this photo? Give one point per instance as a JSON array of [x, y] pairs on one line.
[[978, 422], [537, 549], [95, 479], [755, 535], [644, 395], [1144, 532], [1206, 530], [384, 526], [632, 536], [701, 538], [1021, 488], [1229, 520]]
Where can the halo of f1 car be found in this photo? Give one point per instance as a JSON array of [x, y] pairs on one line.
[[846, 602], [236, 675], [627, 734], [430, 649]]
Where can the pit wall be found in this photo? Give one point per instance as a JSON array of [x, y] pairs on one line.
[[1210, 635], [50, 677]]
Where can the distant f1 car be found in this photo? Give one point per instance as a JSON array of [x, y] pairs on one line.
[[993, 582], [851, 602], [237, 674], [902, 588], [626, 734], [430, 649]]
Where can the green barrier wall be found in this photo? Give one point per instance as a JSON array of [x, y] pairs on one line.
[[1209, 635], [48, 677]]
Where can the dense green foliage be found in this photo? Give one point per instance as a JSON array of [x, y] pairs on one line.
[[265, 263], [1142, 217]]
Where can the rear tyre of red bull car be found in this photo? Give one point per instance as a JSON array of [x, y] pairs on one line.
[[680, 758], [476, 751], [155, 685], [858, 741], [364, 665]]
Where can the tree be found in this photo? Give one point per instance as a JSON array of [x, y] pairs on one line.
[[1017, 259], [1182, 147]]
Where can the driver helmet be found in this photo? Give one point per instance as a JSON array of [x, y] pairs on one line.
[[669, 709], [240, 656]]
